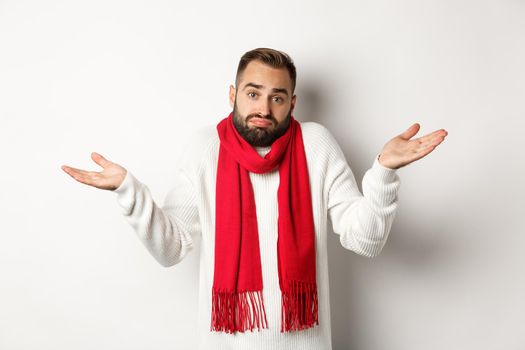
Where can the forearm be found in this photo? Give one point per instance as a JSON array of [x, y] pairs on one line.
[[156, 228], [363, 221]]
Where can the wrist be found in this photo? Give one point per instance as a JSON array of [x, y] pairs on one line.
[[383, 165]]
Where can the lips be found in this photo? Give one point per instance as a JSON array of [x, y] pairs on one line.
[[261, 122]]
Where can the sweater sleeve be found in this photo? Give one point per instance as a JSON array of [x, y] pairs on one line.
[[362, 221], [167, 231]]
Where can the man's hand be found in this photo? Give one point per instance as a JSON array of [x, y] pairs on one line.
[[108, 179], [401, 151]]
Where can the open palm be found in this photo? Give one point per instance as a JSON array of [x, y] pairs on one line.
[[401, 151], [108, 179]]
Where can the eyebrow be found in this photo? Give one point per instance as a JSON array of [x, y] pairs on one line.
[[257, 86]]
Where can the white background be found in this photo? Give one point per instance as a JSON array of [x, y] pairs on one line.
[[131, 79]]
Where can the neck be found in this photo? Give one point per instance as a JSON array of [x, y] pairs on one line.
[[262, 150]]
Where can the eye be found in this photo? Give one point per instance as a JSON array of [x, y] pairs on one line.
[[277, 99], [252, 94]]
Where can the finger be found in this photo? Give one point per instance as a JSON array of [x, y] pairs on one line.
[[436, 140], [432, 135], [100, 160], [421, 153], [432, 143], [87, 177], [71, 170], [79, 175], [410, 132]]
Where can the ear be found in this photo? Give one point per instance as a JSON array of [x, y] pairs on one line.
[[294, 98], [232, 96]]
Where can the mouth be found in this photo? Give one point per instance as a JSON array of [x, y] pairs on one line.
[[260, 122]]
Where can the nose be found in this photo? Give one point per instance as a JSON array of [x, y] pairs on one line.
[[263, 107]]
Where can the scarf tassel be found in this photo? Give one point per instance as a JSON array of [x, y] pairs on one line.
[[238, 311], [299, 306]]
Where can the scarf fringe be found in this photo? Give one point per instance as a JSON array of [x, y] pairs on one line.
[[299, 306], [238, 311]]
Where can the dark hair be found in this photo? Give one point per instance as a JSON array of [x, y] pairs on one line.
[[274, 58]]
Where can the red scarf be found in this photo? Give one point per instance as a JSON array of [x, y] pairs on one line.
[[237, 298]]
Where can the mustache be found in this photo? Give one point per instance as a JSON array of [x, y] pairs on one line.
[[269, 117]]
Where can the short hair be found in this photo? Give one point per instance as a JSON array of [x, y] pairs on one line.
[[273, 58]]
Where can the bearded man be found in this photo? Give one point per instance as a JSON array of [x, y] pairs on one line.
[[258, 189]]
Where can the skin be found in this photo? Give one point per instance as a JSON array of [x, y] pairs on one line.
[[266, 92], [401, 150], [109, 178]]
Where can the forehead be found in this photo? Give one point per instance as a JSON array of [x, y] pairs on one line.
[[262, 74]]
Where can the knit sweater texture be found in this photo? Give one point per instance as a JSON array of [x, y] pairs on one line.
[[169, 232]]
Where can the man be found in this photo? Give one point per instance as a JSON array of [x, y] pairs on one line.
[[258, 189]]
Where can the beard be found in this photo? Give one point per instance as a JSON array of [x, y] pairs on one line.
[[258, 136]]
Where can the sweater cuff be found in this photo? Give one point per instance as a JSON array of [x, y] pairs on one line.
[[125, 184], [126, 192], [382, 172]]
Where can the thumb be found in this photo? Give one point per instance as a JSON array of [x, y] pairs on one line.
[[103, 162], [411, 131]]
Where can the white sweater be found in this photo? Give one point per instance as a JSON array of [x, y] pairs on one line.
[[169, 232]]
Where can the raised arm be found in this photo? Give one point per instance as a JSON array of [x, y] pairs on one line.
[[362, 221], [168, 231]]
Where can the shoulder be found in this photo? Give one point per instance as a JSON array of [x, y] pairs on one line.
[[197, 146], [321, 147], [312, 127], [201, 139], [317, 137], [204, 135]]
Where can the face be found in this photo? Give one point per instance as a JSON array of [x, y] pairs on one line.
[[262, 103]]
